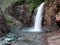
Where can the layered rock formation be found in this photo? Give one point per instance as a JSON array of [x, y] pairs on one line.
[[51, 10], [4, 29]]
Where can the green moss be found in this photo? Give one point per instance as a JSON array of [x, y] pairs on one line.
[[9, 21]]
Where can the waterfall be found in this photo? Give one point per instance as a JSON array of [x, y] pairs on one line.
[[38, 21]]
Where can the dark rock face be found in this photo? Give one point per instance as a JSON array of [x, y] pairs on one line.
[[22, 14], [3, 24]]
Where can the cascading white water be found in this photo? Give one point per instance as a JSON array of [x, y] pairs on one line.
[[38, 21]]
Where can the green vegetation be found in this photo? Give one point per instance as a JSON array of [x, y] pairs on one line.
[[9, 21], [33, 3]]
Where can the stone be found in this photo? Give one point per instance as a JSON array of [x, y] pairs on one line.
[[58, 0], [58, 19], [54, 39]]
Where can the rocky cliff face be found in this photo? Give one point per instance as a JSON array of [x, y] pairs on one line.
[[22, 14], [3, 25], [50, 19], [51, 10]]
